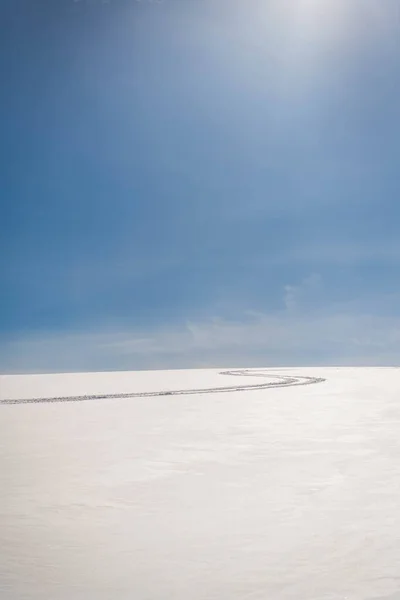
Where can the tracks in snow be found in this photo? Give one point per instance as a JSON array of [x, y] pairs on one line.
[[277, 382]]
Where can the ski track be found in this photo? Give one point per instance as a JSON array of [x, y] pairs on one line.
[[283, 381]]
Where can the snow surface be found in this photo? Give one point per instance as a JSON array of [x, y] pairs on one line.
[[281, 493]]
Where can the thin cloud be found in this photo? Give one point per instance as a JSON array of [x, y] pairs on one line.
[[296, 296], [281, 339]]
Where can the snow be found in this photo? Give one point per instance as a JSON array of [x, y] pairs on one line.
[[281, 493]]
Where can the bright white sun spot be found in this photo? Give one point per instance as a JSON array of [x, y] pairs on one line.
[[315, 17]]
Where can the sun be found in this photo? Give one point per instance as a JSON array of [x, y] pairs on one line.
[[310, 31], [316, 17]]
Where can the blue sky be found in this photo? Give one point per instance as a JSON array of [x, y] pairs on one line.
[[199, 183]]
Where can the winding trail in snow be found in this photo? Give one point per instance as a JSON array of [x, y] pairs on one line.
[[278, 381]]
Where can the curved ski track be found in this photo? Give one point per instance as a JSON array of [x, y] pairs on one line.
[[283, 381]]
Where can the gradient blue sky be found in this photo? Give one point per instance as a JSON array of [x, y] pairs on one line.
[[199, 183]]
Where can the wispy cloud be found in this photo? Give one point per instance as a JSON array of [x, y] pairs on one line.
[[296, 295], [295, 335]]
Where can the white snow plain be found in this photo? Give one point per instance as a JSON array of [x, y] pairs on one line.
[[287, 493]]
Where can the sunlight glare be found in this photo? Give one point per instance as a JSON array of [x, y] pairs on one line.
[[314, 20]]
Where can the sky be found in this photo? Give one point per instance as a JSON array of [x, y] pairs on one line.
[[196, 183]]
